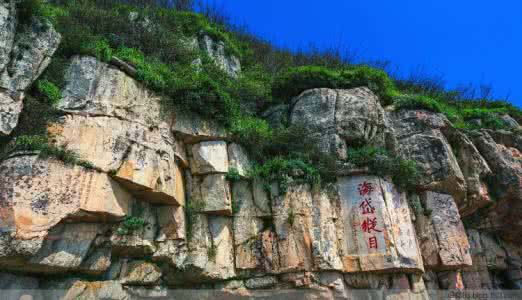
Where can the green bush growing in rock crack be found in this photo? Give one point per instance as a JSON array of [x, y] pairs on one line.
[[129, 225], [49, 90], [404, 173]]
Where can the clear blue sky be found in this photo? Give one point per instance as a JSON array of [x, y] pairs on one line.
[[475, 41]]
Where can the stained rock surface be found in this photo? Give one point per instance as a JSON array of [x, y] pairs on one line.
[[166, 202]]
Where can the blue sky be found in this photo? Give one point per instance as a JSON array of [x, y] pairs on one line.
[[464, 41]]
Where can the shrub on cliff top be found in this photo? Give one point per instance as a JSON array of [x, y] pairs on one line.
[[293, 81]]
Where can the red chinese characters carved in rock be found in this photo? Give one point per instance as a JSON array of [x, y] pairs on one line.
[[370, 225], [366, 207], [365, 188], [372, 242]]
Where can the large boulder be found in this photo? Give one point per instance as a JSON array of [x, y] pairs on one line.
[[23, 57], [115, 123], [95, 88], [420, 137], [338, 117], [36, 194], [442, 237], [475, 170], [210, 252], [505, 162], [68, 247]]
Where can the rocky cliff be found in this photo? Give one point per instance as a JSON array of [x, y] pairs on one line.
[[157, 210]]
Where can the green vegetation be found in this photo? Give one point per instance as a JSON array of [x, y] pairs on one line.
[[212, 251], [291, 218], [161, 44], [404, 173], [49, 90], [129, 225], [281, 170], [459, 113], [39, 143], [192, 207], [233, 175], [293, 81]]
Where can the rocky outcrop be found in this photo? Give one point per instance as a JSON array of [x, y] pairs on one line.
[[166, 203], [337, 118], [23, 57], [218, 53]]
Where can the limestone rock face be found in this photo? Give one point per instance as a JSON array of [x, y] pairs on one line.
[[95, 88], [420, 138], [216, 50], [209, 157], [123, 122], [10, 108], [23, 57], [476, 171], [442, 236], [379, 233], [7, 31], [504, 160], [157, 214], [335, 117], [37, 194], [211, 252], [141, 273], [68, 247]]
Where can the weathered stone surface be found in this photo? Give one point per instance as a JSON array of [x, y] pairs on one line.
[[19, 287], [327, 238], [379, 234], [247, 228], [216, 50], [261, 282], [10, 109], [315, 110], [292, 217], [337, 117], [359, 116], [213, 194], [7, 31], [450, 280], [366, 280], [191, 128], [335, 282], [68, 247], [211, 252], [110, 290], [139, 242], [209, 157], [420, 138], [244, 200], [475, 170], [505, 162], [238, 159], [27, 63], [442, 237], [141, 158], [36, 194], [95, 88], [493, 252], [476, 276], [153, 176], [141, 273], [22, 60]]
